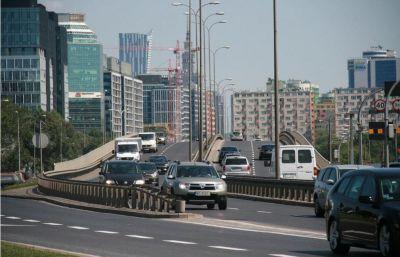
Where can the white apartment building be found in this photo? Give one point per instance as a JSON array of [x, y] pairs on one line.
[[253, 113]]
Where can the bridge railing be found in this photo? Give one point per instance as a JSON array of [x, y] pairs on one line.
[[115, 196], [261, 188]]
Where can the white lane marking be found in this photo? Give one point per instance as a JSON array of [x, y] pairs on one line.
[[1, 215], [227, 248], [78, 227], [106, 232], [140, 237], [165, 149], [282, 255], [13, 218], [267, 212], [52, 224], [32, 221], [180, 242], [231, 208], [12, 225]]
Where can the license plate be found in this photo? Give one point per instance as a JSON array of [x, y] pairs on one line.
[[289, 176], [202, 193]]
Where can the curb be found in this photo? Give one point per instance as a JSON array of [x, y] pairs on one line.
[[271, 200], [101, 208]]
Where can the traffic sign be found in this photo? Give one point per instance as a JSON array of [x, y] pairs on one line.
[[40, 140], [380, 105], [396, 105]]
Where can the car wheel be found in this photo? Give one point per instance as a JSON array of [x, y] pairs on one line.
[[223, 204], [319, 212], [210, 206], [335, 240], [386, 244]]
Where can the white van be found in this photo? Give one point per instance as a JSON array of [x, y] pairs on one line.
[[296, 162], [149, 141]]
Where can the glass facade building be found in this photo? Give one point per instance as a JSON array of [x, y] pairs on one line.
[[135, 48], [85, 73], [376, 67], [33, 57]]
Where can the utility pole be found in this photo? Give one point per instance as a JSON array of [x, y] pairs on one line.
[[277, 103], [19, 145], [351, 139], [330, 137], [200, 85], [190, 81]]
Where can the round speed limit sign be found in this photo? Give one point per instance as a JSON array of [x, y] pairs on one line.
[[380, 105], [396, 105]]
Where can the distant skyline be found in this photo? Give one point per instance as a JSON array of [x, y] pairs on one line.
[[315, 37]]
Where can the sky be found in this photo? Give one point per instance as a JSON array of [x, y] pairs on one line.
[[315, 37]]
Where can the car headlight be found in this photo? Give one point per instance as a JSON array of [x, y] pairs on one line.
[[110, 182], [183, 186], [139, 182], [219, 186], [154, 175]]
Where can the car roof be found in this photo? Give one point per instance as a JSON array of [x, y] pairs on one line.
[[350, 166], [120, 161], [228, 146], [379, 172], [236, 157], [193, 164]]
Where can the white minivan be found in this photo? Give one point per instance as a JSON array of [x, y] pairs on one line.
[[296, 162]]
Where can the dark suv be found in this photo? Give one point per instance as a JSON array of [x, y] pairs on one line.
[[266, 151], [363, 210], [161, 163], [327, 177], [226, 149], [118, 172]]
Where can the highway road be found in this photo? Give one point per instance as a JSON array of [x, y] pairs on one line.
[[101, 234]]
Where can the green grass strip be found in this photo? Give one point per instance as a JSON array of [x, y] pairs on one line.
[[14, 250]]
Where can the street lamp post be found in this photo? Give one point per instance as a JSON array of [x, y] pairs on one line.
[[276, 89], [218, 124], [19, 143], [40, 143]]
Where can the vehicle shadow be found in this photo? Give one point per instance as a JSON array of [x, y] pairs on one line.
[[353, 253]]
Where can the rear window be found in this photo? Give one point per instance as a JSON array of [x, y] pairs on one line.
[[236, 161], [229, 149], [304, 156], [267, 147], [288, 156]]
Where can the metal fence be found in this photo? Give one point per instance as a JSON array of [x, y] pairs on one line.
[[115, 196], [288, 191]]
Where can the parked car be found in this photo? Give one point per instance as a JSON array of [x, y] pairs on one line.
[[161, 162], [196, 183], [265, 151], [326, 178], [237, 136], [363, 210], [121, 172], [226, 149], [236, 165], [296, 162], [149, 171]]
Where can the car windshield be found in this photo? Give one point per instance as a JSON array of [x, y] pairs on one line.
[[390, 188], [196, 172], [158, 159], [236, 161], [236, 134], [229, 149], [146, 136], [127, 148], [147, 167], [267, 147], [122, 168]]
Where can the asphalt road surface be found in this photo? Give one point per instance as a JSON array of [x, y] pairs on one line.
[[42, 224]]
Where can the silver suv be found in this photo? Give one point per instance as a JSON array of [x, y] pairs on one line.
[[196, 183]]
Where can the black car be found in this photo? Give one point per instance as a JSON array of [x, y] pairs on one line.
[[161, 162], [226, 149], [121, 172], [149, 171], [266, 151], [363, 210]]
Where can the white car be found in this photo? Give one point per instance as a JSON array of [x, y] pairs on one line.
[[236, 165], [237, 136]]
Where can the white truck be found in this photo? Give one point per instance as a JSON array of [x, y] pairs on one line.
[[128, 148], [149, 141]]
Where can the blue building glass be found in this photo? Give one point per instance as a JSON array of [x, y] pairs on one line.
[[385, 70], [351, 78], [134, 48]]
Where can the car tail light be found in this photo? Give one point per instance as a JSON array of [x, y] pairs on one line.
[[315, 171], [248, 167]]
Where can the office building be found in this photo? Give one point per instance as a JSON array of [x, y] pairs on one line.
[[33, 57], [123, 99], [325, 113], [135, 48], [376, 67], [252, 113], [161, 104], [85, 73]]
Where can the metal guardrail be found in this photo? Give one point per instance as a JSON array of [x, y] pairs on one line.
[[212, 141], [285, 191], [115, 196]]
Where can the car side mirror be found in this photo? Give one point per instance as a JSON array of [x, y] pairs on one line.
[[366, 199], [267, 163], [223, 176], [170, 177], [330, 182], [113, 151]]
